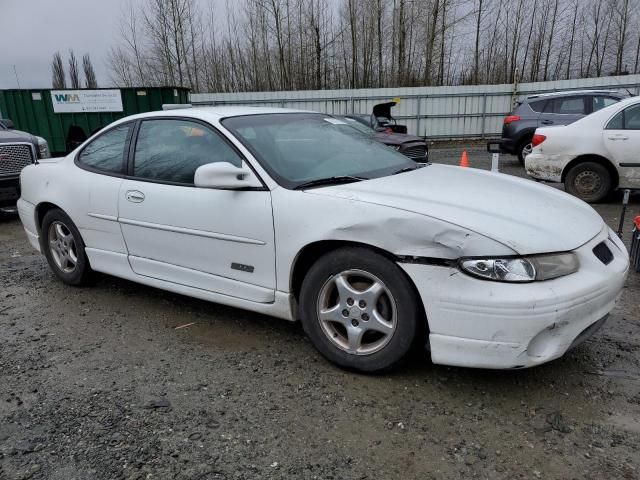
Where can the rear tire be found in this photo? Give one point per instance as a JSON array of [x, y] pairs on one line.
[[360, 310], [524, 149], [589, 181], [64, 249]]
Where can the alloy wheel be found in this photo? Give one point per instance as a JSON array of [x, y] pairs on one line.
[[357, 312], [62, 247]]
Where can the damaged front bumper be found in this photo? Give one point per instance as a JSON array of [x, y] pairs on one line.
[[485, 324]]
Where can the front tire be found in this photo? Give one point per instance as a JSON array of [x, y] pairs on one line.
[[360, 310], [589, 181], [64, 249]]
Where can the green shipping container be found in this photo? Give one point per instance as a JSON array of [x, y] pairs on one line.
[[78, 113]]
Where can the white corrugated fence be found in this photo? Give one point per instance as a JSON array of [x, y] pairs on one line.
[[468, 111]]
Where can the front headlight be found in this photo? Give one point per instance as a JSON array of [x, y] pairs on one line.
[[521, 269], [43, 148]]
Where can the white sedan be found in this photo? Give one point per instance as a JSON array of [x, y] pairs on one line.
[[289, 214], [592, 156]]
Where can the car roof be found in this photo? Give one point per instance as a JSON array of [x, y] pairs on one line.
[[573, 92], [214, 113]]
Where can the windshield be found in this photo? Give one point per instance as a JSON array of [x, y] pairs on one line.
[[296, 148], [361, 127]]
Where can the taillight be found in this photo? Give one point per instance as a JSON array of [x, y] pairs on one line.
[[537, 139], [510, 119]]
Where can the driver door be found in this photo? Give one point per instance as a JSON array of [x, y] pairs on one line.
[[212, 239]]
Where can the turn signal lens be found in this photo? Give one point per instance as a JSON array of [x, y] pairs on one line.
[[538, 139]]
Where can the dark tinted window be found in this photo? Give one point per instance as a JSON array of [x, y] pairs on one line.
[[598, 102], [172, 150], [106, 152], [617, 122], [537, 106], [627, 119], [632, 118], [569, 106]]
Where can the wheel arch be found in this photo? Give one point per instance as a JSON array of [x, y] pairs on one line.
[[307, 256], [524, 136], [592, 157], [41, 210]]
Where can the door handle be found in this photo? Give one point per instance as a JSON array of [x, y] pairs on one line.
[[547, 122], [134, 196], [618, 137]]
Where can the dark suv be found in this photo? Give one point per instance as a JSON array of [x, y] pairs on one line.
[[558, 108], [17, 150]]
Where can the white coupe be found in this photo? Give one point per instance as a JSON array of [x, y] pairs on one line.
[[593, 156], [291, 214]]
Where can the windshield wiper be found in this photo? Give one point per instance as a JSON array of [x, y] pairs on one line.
[[405, 169], [329, 181]]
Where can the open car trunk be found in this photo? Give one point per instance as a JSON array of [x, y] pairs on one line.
[[383, 120]]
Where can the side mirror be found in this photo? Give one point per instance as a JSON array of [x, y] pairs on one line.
[[224, 175], [7, 123]]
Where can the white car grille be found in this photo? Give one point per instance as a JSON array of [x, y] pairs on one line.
[[14, 157]]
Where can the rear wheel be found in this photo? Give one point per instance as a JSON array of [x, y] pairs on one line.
[[524, 149], [64, 249], [589, 181], [359, 310]]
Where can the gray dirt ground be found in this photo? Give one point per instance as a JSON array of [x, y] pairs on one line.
[[96, 383]]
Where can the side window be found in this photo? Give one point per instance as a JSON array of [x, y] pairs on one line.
[[617, 122], [569, 106], [172, 150], [106, 152], [598, 102], [632, 118], [627, 119], [538, 106]]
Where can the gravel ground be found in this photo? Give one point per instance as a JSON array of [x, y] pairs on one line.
[[99, 383]]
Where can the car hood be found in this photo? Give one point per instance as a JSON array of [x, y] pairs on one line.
[[526, 216], [7, 136], [396, 138]]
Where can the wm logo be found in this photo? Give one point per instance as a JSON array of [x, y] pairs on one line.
[[67, 97]]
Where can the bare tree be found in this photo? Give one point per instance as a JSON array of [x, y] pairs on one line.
[[302, 44], [58, 77], [74, 71], [89, 74]]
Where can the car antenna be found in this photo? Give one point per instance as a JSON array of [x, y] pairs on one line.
[[625, 88]]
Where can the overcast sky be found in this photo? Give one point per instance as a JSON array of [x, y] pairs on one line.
[[33, 30]]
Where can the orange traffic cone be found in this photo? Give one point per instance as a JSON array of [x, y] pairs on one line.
[[464, 161]]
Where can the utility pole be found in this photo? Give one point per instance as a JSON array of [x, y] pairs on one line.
[[15, 72]]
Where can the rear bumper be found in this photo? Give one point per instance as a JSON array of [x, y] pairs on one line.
[[483, 324], [507, 146], [546, 167]]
